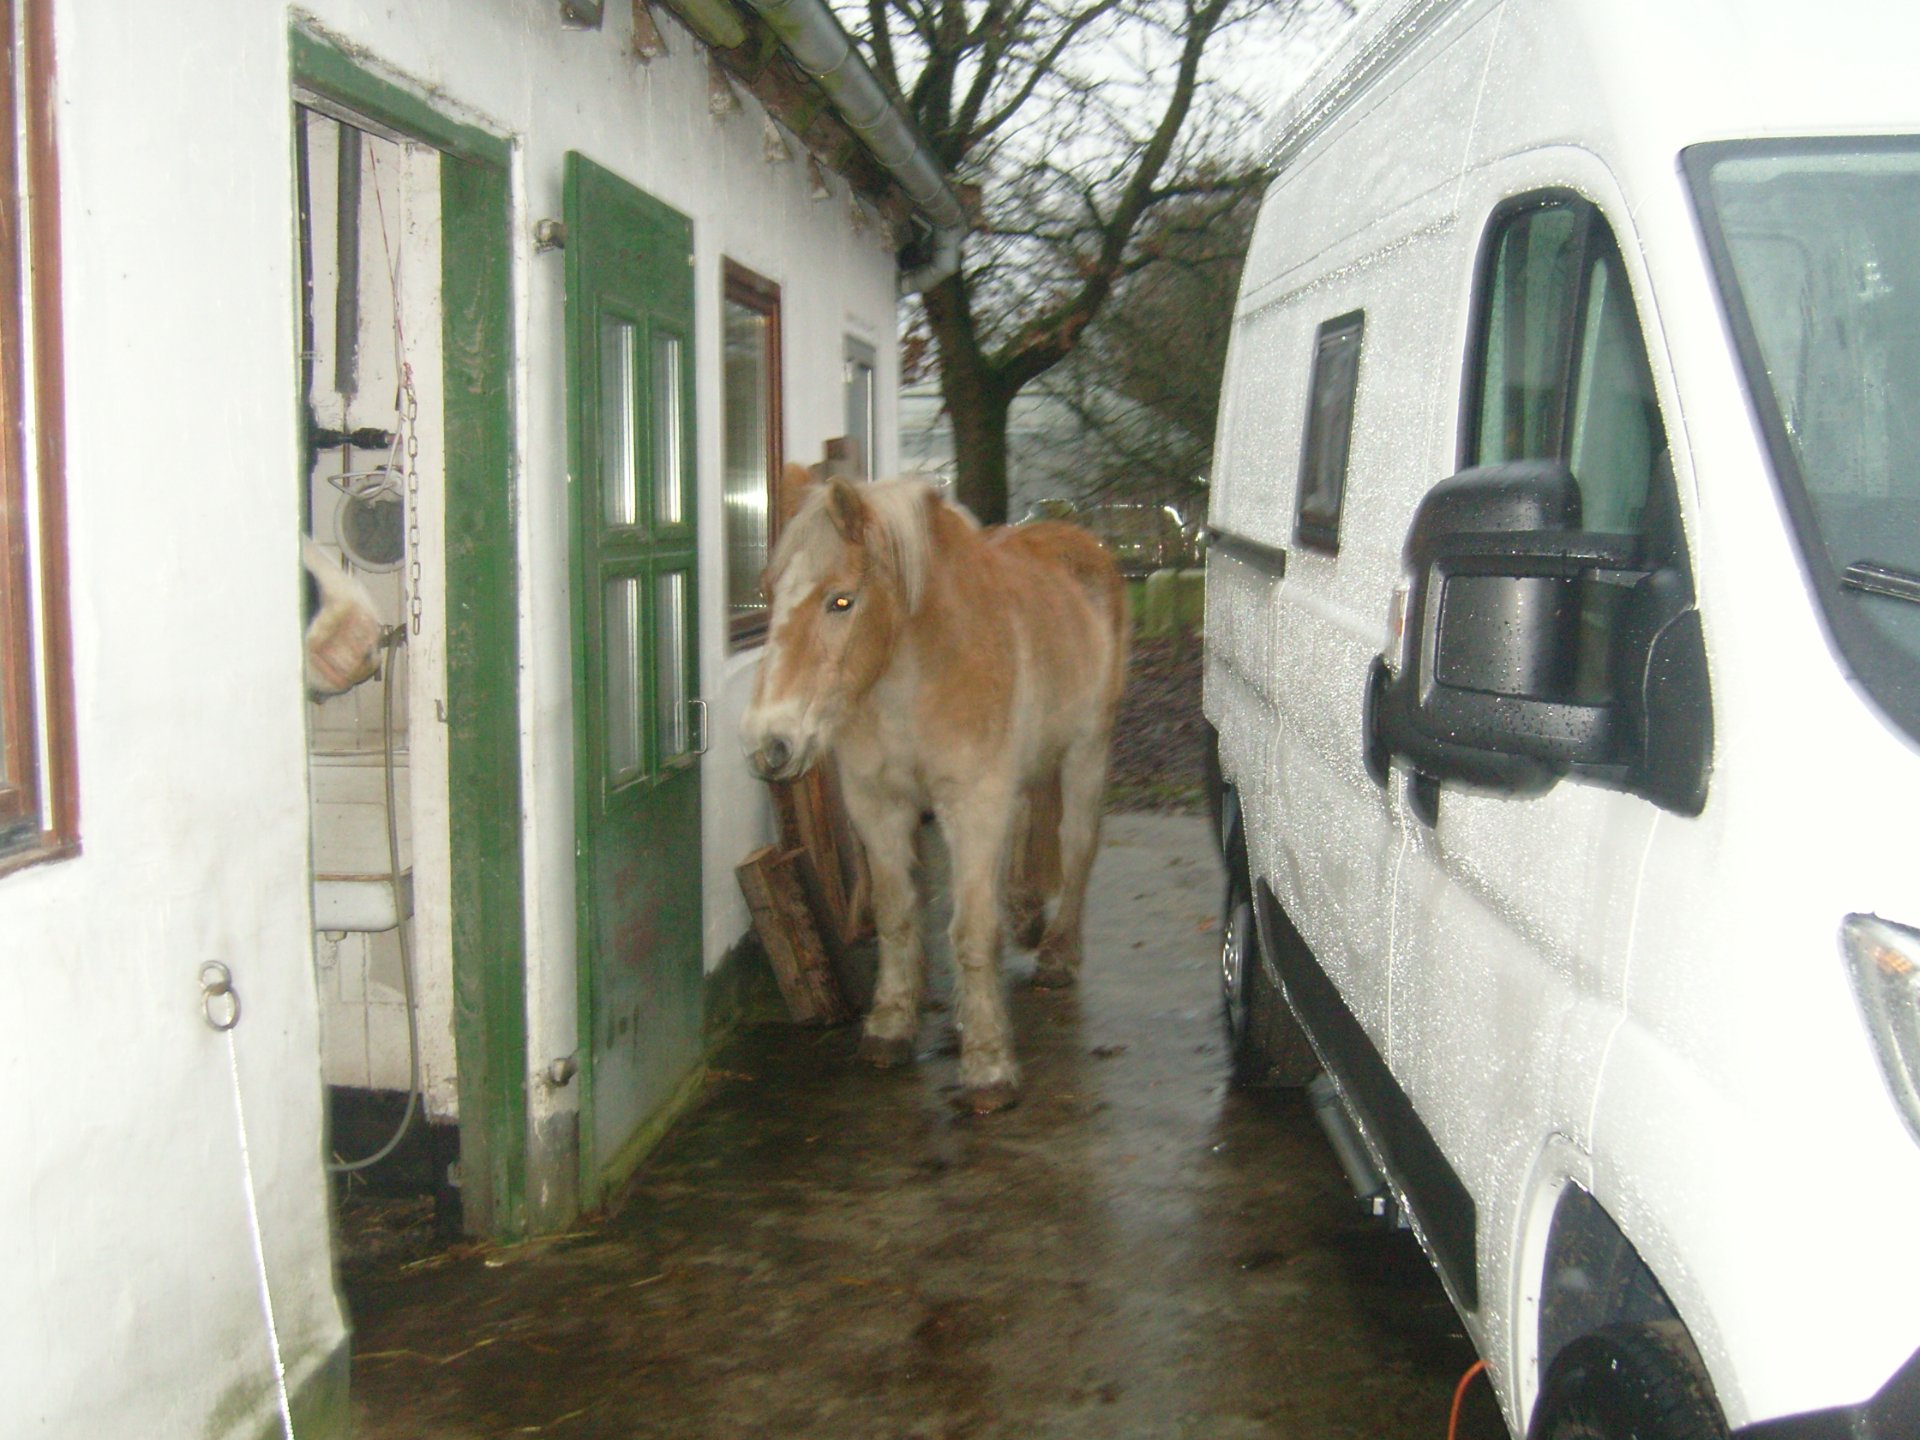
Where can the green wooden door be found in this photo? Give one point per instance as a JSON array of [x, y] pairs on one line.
[[639, 726]]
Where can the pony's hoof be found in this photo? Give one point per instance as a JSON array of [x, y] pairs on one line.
[[884, 1054], [1028, 926], [987, 1099], [1054, 977]]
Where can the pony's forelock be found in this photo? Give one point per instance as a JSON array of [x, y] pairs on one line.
[[899, 509]]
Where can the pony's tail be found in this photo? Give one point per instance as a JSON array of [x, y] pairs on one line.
[[1100, 577]]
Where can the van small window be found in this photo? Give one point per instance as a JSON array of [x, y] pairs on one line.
[[1323, 455]]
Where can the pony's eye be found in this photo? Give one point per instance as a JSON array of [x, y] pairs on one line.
[[839, 604]]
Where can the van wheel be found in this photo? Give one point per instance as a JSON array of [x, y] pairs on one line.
[[1628, 1382], [1239, 964], [1266, 1044]]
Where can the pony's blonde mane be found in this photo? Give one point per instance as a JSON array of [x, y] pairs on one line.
[[900, 511]]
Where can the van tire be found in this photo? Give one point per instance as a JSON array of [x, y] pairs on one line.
[[1266, 1044], [1239, 973], [1628, 1382]]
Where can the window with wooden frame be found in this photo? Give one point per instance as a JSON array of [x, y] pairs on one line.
[[39, 813], [751, 445]]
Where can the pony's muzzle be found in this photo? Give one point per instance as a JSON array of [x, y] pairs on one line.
[[772, 757], [775, 758]]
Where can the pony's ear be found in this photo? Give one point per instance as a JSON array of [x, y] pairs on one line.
[[847, 509]]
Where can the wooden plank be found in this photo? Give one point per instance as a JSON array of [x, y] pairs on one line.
[[813, 819], [856, 921], [783, 919]]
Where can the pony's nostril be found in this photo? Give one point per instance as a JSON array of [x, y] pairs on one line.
[[775, 754]]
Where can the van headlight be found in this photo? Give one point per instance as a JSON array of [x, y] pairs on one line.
[[1884, 960]]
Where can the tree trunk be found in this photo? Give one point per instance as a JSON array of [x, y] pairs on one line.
[[977, 403], [980, 454]]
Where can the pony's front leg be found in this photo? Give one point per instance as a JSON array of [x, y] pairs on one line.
[[976, 842], [894, 1019]]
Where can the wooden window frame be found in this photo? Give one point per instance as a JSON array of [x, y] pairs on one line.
[[757, 293], [39, 802]]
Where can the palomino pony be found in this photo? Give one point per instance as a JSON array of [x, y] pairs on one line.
[[974, 673]]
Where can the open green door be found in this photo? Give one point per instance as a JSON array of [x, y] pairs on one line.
[[639, 726]]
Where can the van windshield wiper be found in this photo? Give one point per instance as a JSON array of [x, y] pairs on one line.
[[1877, 579]]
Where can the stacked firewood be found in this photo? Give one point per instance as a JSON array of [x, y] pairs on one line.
[[808, 895]]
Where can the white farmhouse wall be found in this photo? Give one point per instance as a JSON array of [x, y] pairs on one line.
[[134, 1304], [509, 67]]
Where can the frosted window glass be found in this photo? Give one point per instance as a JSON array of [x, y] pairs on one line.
[[619, 475], [668, 502], [622, 649], [671, 618]]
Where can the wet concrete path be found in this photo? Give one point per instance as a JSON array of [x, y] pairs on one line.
[[821, 1250]]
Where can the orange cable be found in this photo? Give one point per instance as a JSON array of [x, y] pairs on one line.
[[1460, 1393]]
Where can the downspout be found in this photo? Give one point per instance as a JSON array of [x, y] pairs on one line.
[[819, 46]]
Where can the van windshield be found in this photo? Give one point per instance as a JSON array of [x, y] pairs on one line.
[[1815, 245]]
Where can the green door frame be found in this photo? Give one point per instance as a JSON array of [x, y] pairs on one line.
[[483, 631]]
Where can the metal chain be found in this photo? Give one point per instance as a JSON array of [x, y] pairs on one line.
[[410, 428], [407, 404]]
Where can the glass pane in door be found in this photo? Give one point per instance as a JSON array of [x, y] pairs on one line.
[[668, 502], [622, 636], [672, 619], [619, 472]]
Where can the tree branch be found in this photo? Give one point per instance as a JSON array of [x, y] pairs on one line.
[[880, 42], [1051, 337], [1044, 65]]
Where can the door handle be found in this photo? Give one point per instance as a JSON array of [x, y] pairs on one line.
[[698, 710]]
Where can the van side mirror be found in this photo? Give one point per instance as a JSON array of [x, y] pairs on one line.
[[1505, 684]]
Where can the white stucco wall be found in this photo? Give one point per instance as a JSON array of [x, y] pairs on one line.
[[650, 124], [134, 1305]]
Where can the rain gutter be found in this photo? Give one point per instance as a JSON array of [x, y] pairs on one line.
[[810, 34]]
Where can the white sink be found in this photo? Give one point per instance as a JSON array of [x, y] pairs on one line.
[[352, 873]]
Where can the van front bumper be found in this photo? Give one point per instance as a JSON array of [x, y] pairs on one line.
[[1892, 1414]]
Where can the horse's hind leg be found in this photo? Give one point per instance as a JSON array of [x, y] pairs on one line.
[[976, 841], [1083, 784], [894, 1019], [1034, 873]]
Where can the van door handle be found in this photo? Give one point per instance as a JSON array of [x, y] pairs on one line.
[[1375, 753]]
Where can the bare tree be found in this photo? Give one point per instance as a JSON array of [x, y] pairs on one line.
[[1144, 387], [1070, 123]]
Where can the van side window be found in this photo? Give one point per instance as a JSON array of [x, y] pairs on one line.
[[1323, 454], [1559, 365], [1559, 371]]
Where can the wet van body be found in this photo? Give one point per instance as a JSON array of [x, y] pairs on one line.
[[1565, 662]]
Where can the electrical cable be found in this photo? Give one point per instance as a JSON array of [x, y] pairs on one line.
[[393, 640], [259, 1244], [1459, 1394]]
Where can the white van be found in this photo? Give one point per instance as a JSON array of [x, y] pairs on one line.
[[1563, 647]]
